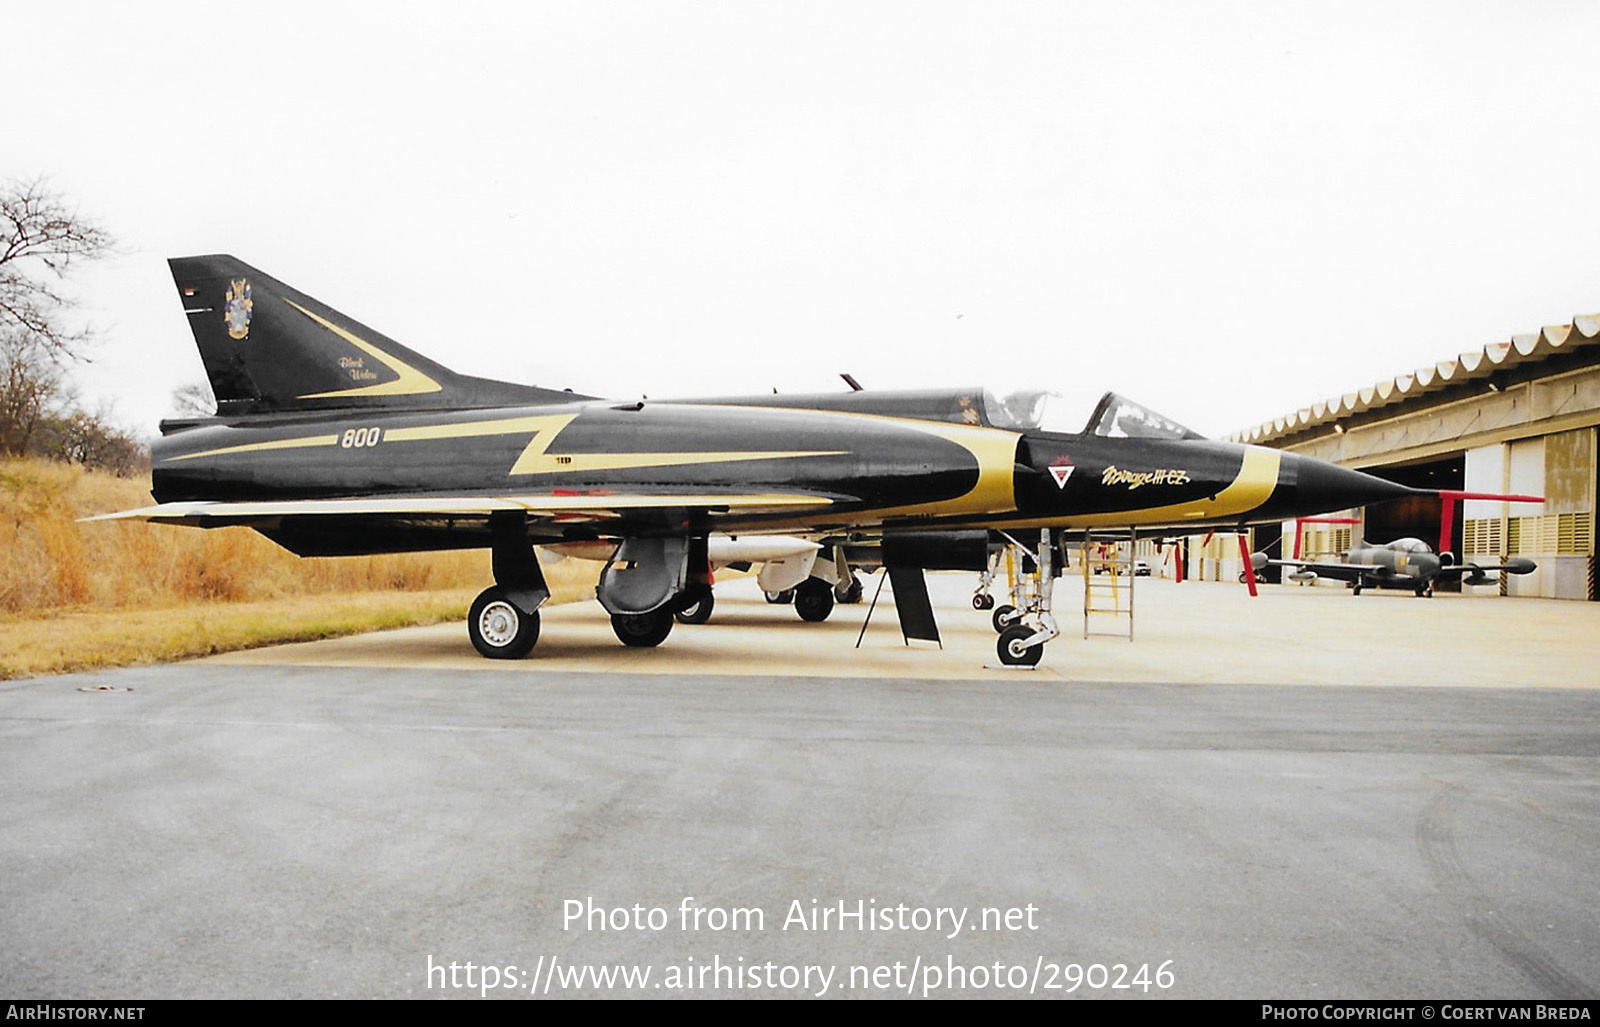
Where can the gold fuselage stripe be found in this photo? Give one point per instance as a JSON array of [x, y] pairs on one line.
[[306, 442], [541, 423], [1258, 476], [994, 450], [534, 459]]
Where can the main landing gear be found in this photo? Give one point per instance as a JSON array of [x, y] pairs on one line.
[[503, 622], [813, 600], [1026, 624], [643, 630], [647, 630], [647, 585], [697, 611], [499, 628]]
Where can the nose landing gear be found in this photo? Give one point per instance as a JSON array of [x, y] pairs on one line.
[[1027, 623]]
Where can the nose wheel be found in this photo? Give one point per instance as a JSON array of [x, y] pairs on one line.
[[1015, 649]]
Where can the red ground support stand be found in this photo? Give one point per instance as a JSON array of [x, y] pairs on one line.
[[1249, 568], [1447, 516]]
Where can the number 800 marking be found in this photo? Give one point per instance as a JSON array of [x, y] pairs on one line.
[[360, 438]]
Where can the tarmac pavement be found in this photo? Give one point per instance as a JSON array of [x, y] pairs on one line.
[[1307, 795]]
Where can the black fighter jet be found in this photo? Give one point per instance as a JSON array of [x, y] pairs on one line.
[[1409, 564], [332, 439]]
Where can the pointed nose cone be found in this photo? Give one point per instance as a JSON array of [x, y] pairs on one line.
[[1321, 487]]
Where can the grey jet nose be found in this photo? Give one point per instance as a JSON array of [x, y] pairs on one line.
[[1425, 565]]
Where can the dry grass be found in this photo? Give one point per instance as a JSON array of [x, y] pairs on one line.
[[53, 563], [76, 596], [94, 639]]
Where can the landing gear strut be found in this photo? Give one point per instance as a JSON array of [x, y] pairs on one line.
[[1025, 627], [982, 600], [503, 623]]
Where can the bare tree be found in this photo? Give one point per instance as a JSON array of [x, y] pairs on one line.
[[41, 240], [93, 441], [30, 382], [194, 400]]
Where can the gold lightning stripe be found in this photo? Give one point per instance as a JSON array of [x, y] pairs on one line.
[[458, 430], [540, 423], [408, 382], [535, 459], [305, 442]]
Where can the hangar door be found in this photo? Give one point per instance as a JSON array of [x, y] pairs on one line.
[[1558, 535]]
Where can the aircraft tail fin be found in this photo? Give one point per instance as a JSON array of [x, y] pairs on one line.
[[268, 347]]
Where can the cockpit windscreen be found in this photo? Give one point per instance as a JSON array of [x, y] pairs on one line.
[[1119, 418], [1028, 409]]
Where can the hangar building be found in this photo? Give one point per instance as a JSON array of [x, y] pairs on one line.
[[1517, 417]]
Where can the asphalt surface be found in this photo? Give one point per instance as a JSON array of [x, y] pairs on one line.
[[300, 823]]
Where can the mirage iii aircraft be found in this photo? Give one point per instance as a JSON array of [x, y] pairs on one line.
[[332, 439], [1406, 563]]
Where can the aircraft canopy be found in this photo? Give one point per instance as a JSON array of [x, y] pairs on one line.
[[1116, 417]]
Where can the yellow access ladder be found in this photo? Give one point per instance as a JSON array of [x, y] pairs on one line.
[[1107, 564]]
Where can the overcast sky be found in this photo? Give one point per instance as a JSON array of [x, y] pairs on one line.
[[1224, 210]]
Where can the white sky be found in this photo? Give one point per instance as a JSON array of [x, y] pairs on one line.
[[1224, 210]]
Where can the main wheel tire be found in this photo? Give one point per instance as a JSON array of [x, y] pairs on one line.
[[1003, 617], [783, 598], [498, 628], [643, 630], [813, 600], [697, 612], [851, 593], [1013, 653]]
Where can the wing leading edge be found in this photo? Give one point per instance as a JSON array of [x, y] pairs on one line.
[[537, 506]]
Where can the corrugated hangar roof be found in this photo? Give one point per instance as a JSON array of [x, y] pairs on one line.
[[1500, 356]]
